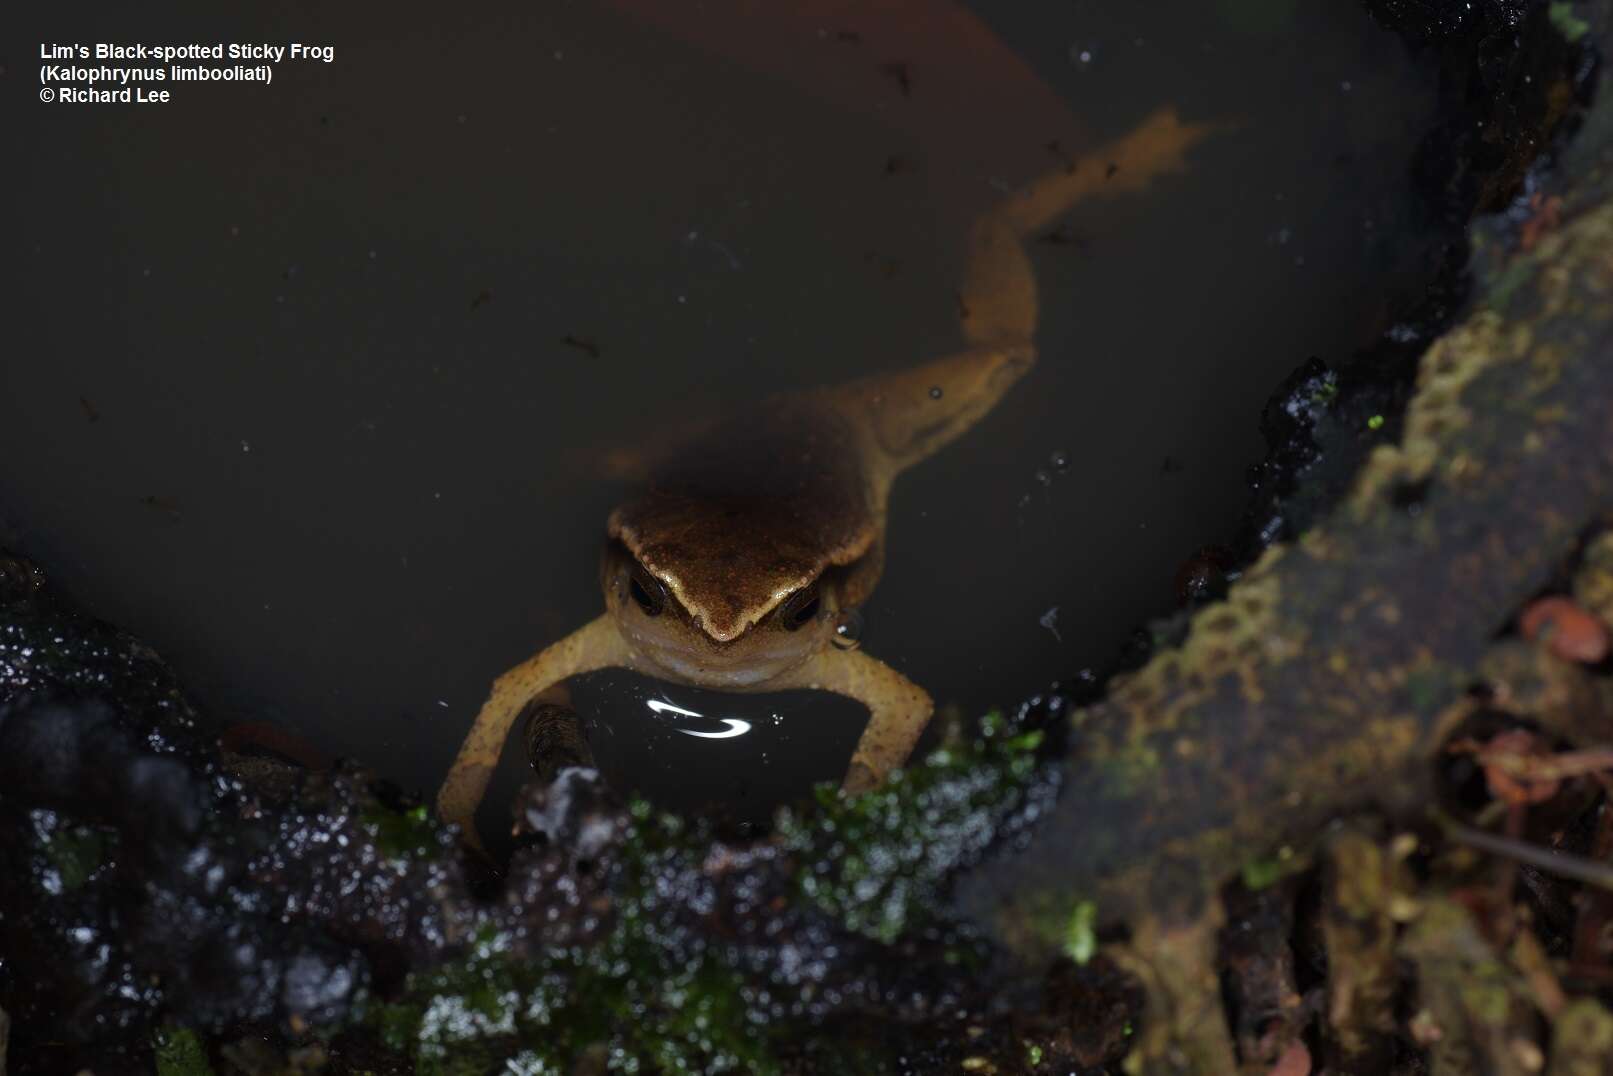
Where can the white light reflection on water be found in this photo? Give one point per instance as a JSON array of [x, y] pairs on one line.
[[733, 726]]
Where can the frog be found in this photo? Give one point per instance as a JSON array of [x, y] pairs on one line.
[[737, 565]]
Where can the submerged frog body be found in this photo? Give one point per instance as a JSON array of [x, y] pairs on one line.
[[730, 570]]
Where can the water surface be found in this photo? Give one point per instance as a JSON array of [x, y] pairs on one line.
[[312, 385]]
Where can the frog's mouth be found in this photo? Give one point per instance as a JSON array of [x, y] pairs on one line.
[[675, 646], [671, 641]]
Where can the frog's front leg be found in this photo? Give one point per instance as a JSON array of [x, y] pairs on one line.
[[597, 645], [898, 710]]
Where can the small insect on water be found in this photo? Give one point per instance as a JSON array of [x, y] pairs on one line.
[[740, 565]]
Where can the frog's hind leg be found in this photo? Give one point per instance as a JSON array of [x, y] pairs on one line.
[[596, 645], [862, 575], [909, 415], [998, 300]]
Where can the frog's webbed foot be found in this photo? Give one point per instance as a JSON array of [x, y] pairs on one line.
[[898, 710], [596, 645]]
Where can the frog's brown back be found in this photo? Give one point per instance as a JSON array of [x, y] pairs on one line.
[[751, 510]]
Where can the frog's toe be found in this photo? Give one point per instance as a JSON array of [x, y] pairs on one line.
[[1012, 364], [860, 777]]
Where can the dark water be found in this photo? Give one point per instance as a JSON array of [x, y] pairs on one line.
[[289, 391]]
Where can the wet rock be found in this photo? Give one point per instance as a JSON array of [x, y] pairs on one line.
[[1202, 577], [320, 983], [1508, 82], [80, 759], [19, 579], [1435, 21], [1593, 582], [141, 891], [1338, 661], [574, 812]]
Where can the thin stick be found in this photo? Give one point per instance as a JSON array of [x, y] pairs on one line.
[[1562, 864]]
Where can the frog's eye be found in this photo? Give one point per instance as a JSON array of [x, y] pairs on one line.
[[648, 591], [800, 609]]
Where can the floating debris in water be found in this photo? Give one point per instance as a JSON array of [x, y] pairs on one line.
[[1065, 235], [1050, 621], [898, 72], [694, 238], [581, 343], [168, 506]]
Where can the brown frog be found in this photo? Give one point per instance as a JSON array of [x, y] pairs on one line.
[[731, 571]]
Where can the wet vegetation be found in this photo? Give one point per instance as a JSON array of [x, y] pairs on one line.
[[229, 899], [1348, 813]]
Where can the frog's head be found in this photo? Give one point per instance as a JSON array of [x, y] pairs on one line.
[[727, 637]]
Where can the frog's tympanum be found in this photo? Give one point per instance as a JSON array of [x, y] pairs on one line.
[[733, 568]]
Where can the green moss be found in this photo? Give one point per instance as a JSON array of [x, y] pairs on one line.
[[179, 1052], [1134, 767], [531, 1063], [1431, 685], [1487, 996], [1261, 873], [1045, 924], [1510, 280], [1081, 936], [637, 999], [402, 835], [648, 997], [76, 853], [875, 861], [1570, 25]]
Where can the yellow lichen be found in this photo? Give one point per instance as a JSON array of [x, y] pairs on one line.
[[1437, 414], [1232, 638], [1593, 584]]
